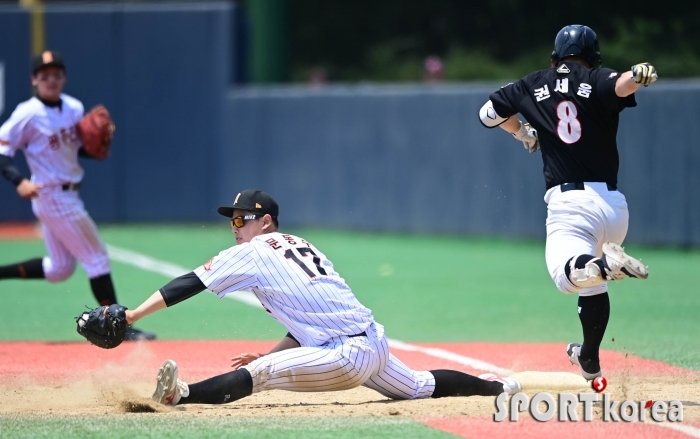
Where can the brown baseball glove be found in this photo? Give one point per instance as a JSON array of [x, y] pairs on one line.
[[95, 130]]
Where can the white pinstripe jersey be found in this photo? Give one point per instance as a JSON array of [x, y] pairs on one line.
[[48, 137], [295, 283]]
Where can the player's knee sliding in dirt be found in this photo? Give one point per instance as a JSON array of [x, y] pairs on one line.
[[333, 341], [346, 363]]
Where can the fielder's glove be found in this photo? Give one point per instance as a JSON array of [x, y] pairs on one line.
[[96, 130], [528, 136], [104, 326], [644, 73]]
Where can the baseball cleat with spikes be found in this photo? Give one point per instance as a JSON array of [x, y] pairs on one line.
[[169, 389], [590, 369], [510, 385], [619, 264]]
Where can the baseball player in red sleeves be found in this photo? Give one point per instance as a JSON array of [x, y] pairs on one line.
[[573, 113], [333, 341], [44, 128]]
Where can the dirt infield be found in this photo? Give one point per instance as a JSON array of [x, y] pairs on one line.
[[76, 379]]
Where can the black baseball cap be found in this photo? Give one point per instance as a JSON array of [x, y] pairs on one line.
[[253, 201], [47, 58]]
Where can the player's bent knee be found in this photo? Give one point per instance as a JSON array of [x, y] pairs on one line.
[[58, 273], [564, 285], [59, 276], [567, 287], [561, 280], [259, 373]]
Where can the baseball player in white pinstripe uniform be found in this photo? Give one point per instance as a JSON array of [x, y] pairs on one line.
[[44, 128], [333, 341]]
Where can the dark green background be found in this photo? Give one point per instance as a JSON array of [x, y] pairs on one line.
[[388, 40]]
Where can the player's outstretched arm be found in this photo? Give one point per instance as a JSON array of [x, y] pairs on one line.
[[151, 305], [630, 81], [106, 326], [175, 291]]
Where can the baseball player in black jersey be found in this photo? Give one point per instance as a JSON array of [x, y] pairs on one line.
[[573, 113]]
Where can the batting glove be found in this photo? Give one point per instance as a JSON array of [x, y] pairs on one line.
[[644, 73], [528, 136]]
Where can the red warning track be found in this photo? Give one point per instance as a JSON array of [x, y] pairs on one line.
[[551, 357], [19, 231], [203, 358], [200, 359], [65, 361]]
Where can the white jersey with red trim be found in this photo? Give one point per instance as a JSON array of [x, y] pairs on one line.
[[48, 137], [295, 283]]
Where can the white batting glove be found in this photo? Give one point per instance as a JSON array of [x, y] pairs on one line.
[[528, 136], [644, 73]]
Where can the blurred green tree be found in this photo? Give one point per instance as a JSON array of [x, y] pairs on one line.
[[387, 40]]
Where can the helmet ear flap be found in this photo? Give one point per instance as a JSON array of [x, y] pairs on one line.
[[555, 57]]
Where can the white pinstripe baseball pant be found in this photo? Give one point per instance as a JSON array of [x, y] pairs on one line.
[[69, 234], [578, 223], [344, 363]]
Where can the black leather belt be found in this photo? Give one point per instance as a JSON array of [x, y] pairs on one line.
[[70, 186], [361, 334], [579, 186]]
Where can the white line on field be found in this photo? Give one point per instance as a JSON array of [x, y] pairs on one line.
[[171, 270], [687, 429], [451, 356]]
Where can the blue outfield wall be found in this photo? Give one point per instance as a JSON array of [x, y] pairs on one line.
[[162, 71], [395, 157], [415, 158]]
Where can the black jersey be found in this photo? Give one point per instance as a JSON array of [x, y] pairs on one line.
[[576, 113]]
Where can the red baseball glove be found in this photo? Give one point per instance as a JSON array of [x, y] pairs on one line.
[[95, 130]]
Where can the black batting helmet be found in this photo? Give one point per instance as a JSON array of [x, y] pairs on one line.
[[577, 40]]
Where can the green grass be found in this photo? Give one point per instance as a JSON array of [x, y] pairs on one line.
[[422, 288], [155, 426]]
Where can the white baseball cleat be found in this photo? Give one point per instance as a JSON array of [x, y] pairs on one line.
[[590, 369], [169, 389], [619, 264], [510, 385]]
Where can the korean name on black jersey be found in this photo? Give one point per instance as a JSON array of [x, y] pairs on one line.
[[576, 113]]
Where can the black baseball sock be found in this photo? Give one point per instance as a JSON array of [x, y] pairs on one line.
[[594, 312], [103, 289], [454, 383], [31, 269], [221, 389]]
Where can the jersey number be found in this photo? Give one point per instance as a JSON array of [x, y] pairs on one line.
[[303, 251], [568, 128]]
